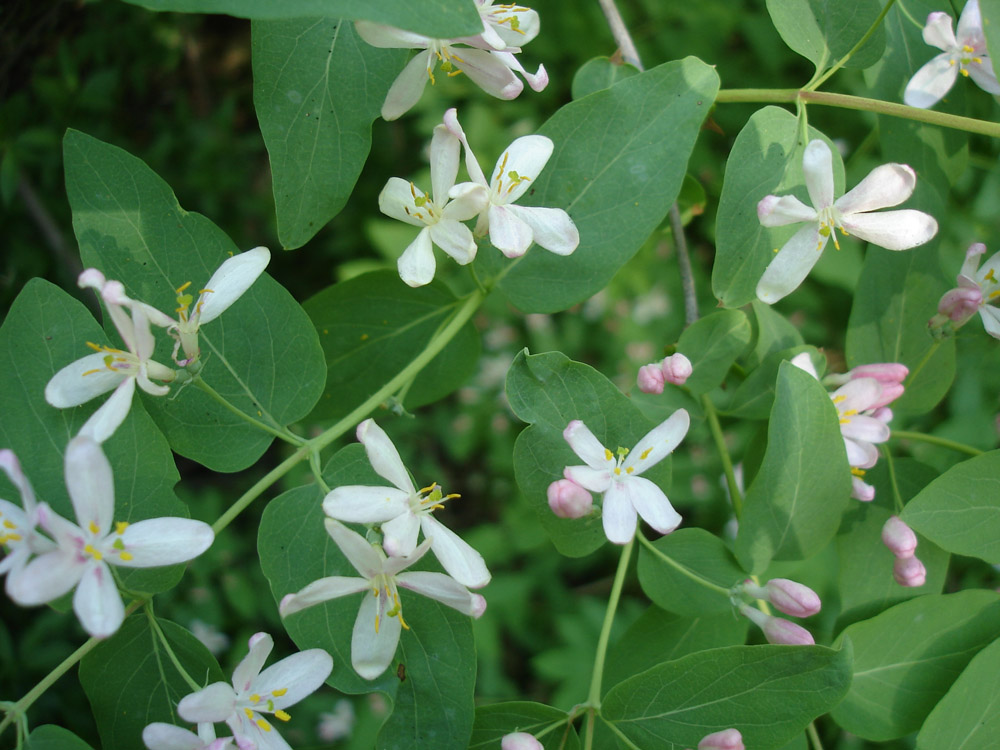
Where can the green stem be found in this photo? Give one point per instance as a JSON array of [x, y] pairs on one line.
[[680, 568], [620, 735], [814, 736], [318, 472], [897, 497], [787, 96], [594, 695], [727, 462], [861, 43], [195, 687], [216, 396], [935, 440]]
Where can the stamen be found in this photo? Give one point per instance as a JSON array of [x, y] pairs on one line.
[[126, 556], [629, 469], [182, 287], [279, 692], [608, 455], [9, 524], [263, 725], [858, 472], [645, 454], [282, 715], [845, 421], [249, 713], [838, 399], [967, 48], [120, 527], [849, 413], [618, 471], [255, 698], [93, 528], [89, 549]]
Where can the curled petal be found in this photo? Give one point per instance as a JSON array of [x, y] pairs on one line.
[[231, 280], [383, 455], [861, 490], [12, 468], [817, 166], [885, 186], [652, 505], [893, 230], [298, 675], [322, 590], [931, 82], [458, 559], [210, 704], [109, 415], [773, 211], [90, 483], [261, 645], [80, 381], [659, 442], [373, 646], [791, 265], [618, 515], [552, 228], [991, 320], [588, 447], [416, 265], [650, 378], [488, 71], [397, 201], [938, 31], [164, 541], [860, 454], [441, 588], [97, 603], [399, 535], [537, 80], [445, 151], [973, 256], [360, 504], [857, 395]]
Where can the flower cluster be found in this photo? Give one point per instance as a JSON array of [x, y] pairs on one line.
[[902, 542], [786, 596], [978, 288], [675, 369]]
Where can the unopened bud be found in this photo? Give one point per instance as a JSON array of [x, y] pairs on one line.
[[899, 537], [520, 741], [883, 372], [960, 304], [861, 490], [676, 369], [567, 499], [776, 629], [650, 379], [727, 739], [890, 392], [793, 598], [909, 571]]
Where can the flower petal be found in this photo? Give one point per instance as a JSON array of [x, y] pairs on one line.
[[618, 515], [471, 163], [455, 239], [322, 590], [397, 200], [445, 151], [217, 702], [109, 415], [45, 578], [884, 187], [893, 230], [249, 667], [860, 454], [12, 468], [817, 166], [970, 26], [355, 548], [867, 429], [525, 158], [441, 588], [537, 80], [159, 736], [80, 381], [372, 650], [459, 560], [552, 228], [804, 362], [938, 31], [991, 320], [588, 447], [392, 565], [468, 199], [509, 233], [408, 87], [498, 17], [791, 265], [91, 485], [383, 455], [389, 37], [773, 211], [399, 536], [231, 280], [97, 603], [983, 75], [652, 504], [299, 675], [658, 443], [164, 541], [595, 480], [360, 504], [488, 71], [857, 395], [416, 265], [931, 82]]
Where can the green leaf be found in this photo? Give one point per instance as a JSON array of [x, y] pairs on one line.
[[712, 344], [435, 18], [52, 737], [968, 717], [768, 693], [701, 554], [131, 681], [620, 158], [493, 722], [549, 391], [315, 118], [600, 73], [44, 330], [772, 332], [906, 659], [897, 295], [793, 507], [754, 397], [766, 160], [262, 354], [372, 326], [960, 510], [825, 31]]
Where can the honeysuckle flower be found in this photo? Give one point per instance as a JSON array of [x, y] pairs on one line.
[[440, 214], [336, 724], [978, 288], [899, 537], [507, 24], [380, 617], [229, 282], [885, 186], [567, 499], [909, 572], [513, 228], [520, 741], [787, 596], [626, 493], [108, 368], [403, 510], [254, 693], [159, 736], [963, 53], [84, 550], [890, 376], [776, 629], [727, 739], [18, 534]]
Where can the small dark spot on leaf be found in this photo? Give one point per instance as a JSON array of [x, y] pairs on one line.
[[401, 672]]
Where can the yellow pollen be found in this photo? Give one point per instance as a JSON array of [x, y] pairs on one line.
[[263, 725], [775, 249], [91, 372], [9, 524], [849, 413], [279, 692], [967, 48], [845, 421], [629, 470], [645, 454], [993, 295], [126, 556], [618, 472], [120, 527], [93, 528], [964, 72], [282, 715], [376, 624], [206, 291], [89, 549], [11, 538], [858, 472], [255, 698], [428, 488], [977, 60], [608, 455], [990, 276], [249, 713], [838, 399], [182, 287], [951, 62]]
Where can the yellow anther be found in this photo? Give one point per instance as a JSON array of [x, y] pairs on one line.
[[126, 556], [645, 454], [838, 399], [977, 60], [967, 48], [279, 692], [858, 472], [990, 276], [849, 413], [255, 698], [618, 472], [428, 488], [182, 287], [91, 372], [249, 713], [93, 528], [993, 294], [9, 524], [95, 347], [608, 455], [120, 527], [845, 421], [263, 725], [964, 72], [206, 291], [629, 470], [282, 715], [90, 550], [11, 538], [376, 624]]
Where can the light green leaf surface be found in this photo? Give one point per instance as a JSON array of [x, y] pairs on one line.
[[493, 722], [262, 354], [825, 31], [712, 344], [754, 397], [793, 507], [772, 332], [52, 737], [906, 659], [674, 705], [600, 73], [315, 117], [960, 510], [619, 160]]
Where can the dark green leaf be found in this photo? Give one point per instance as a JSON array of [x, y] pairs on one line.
[[824, 31], [712, 344], [600, 73], [52, 737], [493, 722]]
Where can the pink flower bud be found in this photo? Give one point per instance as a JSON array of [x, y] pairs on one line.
[[727, 739], [676, 369], [899, 537], [787, 633], [909, 571], [883, 414], [883, 372], [890, 392], [520, 741], [861, 490], [569, 500], [650, 379], [960, 304], [792, 598]]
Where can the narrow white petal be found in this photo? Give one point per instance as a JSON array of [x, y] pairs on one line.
[[773, 211], [652, 504], [255, 738], [931, 82], [508, 233], [804, 362], [249, 667], [214, 703], [893, 230], [12, 468], [488, 72], [595, 480], [618, 515], [109, 415], [156, 317], [144, 341], [408, 87], [471, 163], [380, 35], [658, 443], [817, 166], [231, 280], [791, 265], [938, 31], [525, 157], [884, 187], [399, 535], [72, 387], [458, 559], [159, 736], [164, 541], [355, 548], [537, 81], [383, 455], [861, 454], [588, 447], [91, 485], [397, 200], [445, 152], [97, 603], [982, 73], [371, 650], [45, 578], [455, 239], [416, 265], [360, 504], [552, 228], [440, 587], [392, 565], [970, 25], [991, 320], [468, 199], [299, 674], [322, 590]]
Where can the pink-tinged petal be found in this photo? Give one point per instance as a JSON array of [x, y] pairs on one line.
[[552, 228], [300, 675], [862, 491], [12, 468], [931, 82], [156, 317], [360, 504], [109, 415], [885, 186], [537, 80], [909, 571], [984, 77], [214, 703], [793, 598], [652, 505], [883, 372], [355, 548], [489, 73], [408, 87], [45, 578], [91, 485], [595, 480], [441, 588], [650, 378], [143, 381], [773, 211], [158, 736], [91, 278], [399, 536], [163, 541], [991, 320], [80, 381], [508, 233], [97, 603], [389, 37], [372, 650], [899, 538], [67, 535], [526, 157], [658, 443], [727, 739], [520, 741], [973, 256], [970, 24], [817, 167], [491, 37], [786, 633], [588, 447], [252, 737], [804, 362], [567, 499], [468, 199], [445, 151], [458, 559], [397, 201], [938, 31], [416, 265], [455, 239], [383, 455], [322, 590], [231, 280], [247, 670], [618, 515], [890, 392], [16, 557], [893, 230], [860, 454], [791, 265], [857, 395], [115, 300]]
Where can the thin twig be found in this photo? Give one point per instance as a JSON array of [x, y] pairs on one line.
[[49, 229], [618, 30]]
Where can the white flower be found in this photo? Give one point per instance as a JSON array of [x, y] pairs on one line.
[[380, 618], [17, 524], [625, 492], [966, 55], [111, 369], [507, 24], [159, 736], [512, 228], [402, 510], [440, 214], [253, 693], [83, 551], [887, 185]]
